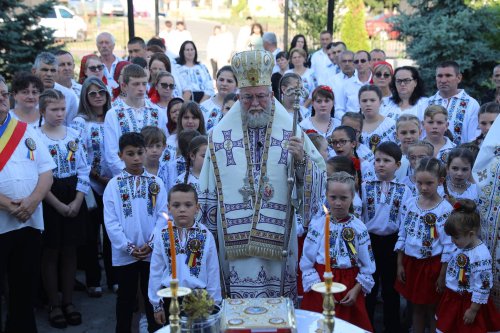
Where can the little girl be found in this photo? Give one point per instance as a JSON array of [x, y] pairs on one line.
[[407, 132], [487, 115], [155, 145], [436, 126], [355, 121], [351, 256], [194, 162], [343, 142], [64, 209], [423, 247], [459, 168], [376, 127], [343, 163], [465, 305], [383, 199], [415, 152]]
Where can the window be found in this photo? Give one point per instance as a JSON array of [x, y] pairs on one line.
[[65, 14]]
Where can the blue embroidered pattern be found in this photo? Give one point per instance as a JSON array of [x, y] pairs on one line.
[[284, 146], [228, 145]]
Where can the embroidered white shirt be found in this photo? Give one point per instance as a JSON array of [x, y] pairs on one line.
[[342, 256], [197, 78], [417, 110], [418, 238], [129, 214], [307, 124], [385, 131], [211, 112]]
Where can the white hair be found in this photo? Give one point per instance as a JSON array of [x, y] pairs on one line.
[[270, 37], [105, 33]]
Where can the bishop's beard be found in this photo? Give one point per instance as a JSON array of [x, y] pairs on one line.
[[258, 119]]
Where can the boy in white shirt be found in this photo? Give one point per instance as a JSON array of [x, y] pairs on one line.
[[196, 253], [134, 203]]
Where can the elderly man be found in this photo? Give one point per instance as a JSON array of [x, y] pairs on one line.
[[462, 108], [45, 67], [243, 184], [270, 43], [105, 43], [25, 179]]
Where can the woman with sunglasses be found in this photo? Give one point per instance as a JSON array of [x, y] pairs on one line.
[[226, 83], [408, 93], [92, 66], [95, 101], [381, 77], [162, 89]]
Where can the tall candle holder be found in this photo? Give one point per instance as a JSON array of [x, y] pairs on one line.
[[173, 292], [328, 288]]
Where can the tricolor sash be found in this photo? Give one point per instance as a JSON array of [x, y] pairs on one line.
[[11, 132]]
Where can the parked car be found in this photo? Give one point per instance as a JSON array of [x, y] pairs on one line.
[[79, 7], [112, 7], [65, 23], [108, 7], [381, 27]]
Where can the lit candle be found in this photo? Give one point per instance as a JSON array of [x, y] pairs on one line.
[[173, 254], [328, 267]]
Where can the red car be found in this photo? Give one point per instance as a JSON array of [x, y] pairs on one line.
[[379, 26]]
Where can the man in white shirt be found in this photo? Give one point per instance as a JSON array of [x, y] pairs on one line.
[[45, 67], [319, 59], [271, 45], [131, 116], [105, 43], [339, 81], [244, 34], [136, 47], [332, 50], [66, 72], [377, 55], [462, 108], [24, 182], [348, 99], [179, 36]]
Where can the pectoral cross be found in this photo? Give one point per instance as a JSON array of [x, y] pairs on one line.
[[246, 191]]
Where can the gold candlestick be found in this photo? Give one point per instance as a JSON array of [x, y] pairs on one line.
[[174, 310], [328, 288]]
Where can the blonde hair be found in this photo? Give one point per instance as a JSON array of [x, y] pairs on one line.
[[407, 118], [424, 144], [300, 51], [434, 110], [343, 178]]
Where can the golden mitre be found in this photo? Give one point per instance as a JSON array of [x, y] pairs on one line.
[[253, 68]]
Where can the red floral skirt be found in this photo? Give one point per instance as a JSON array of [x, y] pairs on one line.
[[355, 314]]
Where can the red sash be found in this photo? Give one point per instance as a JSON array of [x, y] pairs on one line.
[[10, 134]]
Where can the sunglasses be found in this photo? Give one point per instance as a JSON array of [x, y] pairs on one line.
[[167, 85], [97, 68], [385, 75], [360, 61], [94, 93]]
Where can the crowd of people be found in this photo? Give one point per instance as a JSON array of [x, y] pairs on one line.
[[406, 185]]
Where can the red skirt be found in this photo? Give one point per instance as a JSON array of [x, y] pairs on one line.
[[300, 287], [355, 314], [421, 278], [450, 314]]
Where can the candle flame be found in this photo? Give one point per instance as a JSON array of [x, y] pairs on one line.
[[166, 216], [325, 209]]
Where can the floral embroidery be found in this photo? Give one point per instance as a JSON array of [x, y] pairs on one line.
[[394, 196]]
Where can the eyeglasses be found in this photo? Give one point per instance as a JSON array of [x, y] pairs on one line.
[[167, 85], [250, 98], [385, 75], [360, 61], [94, 93], [339, 143], [97, 68], [346, 61], [404, 81]]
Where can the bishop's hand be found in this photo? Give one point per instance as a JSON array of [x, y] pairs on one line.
[[296, 148]]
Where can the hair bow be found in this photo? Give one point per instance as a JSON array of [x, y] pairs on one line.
[[311, 131], [327, 88], [457, 205]]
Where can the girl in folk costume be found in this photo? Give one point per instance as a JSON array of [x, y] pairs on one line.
[[355, 120], [321, 120], [95, 101], [423, 248], [383, 199], [226, 83], [459, 169], [416, 152], [436, 131], [350, 250], [408, 131], [289, 82], [488, 112], [196, 262], [343, 141], [194, 161], [343, 163], [173, 109], [465, 306], [376, 127], [64, 209]]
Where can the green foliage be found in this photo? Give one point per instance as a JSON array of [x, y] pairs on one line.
[[21, 39], [378, 6], [352, 29], [309, 17], [240, 10], [451, 30]]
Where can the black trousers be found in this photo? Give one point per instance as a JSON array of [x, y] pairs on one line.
[[89, 252], [128, 280], [20, 264], [385, 276]]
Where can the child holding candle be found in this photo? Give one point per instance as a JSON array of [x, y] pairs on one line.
[[134, 201], [191, 257], [344, 243]]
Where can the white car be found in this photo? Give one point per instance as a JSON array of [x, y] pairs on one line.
[[66, 24]]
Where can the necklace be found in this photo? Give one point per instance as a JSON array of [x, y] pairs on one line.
[[329, 124], [460, 186]]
